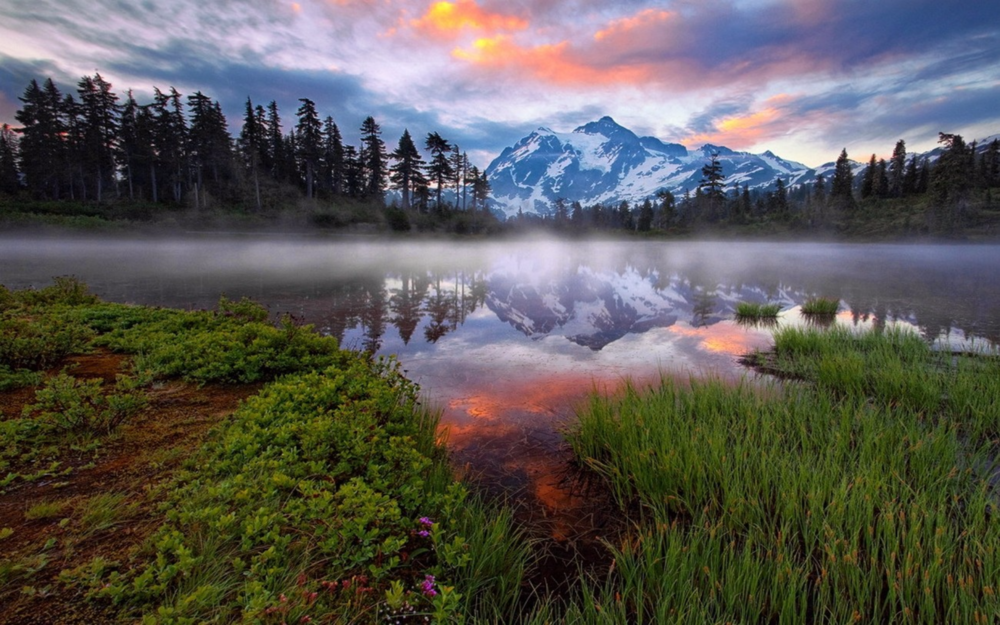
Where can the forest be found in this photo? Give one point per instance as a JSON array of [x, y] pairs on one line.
[[92, 157]]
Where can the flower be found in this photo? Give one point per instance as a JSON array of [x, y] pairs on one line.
[[423, 533], [428, 586], [425, 521]]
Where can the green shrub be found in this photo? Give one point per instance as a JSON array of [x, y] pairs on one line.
[[39, 343], [66, 290], [76, 405]]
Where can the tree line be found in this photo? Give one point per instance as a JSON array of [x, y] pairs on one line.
[[93, 146]]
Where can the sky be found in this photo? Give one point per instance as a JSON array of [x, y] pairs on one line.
[[802, 78]]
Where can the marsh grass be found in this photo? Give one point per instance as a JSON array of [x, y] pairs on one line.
[[820, 306], [45, 510], [755, 310], [864, 496], [104, 510]]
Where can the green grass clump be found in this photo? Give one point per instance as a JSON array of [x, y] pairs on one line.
[[754, 310], [820, 306], [864, 496]]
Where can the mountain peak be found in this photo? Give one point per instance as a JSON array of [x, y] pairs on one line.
[[604, 126]]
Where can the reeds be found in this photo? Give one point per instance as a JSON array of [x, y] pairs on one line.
[[820, 306], [754, 310], [863, 496]]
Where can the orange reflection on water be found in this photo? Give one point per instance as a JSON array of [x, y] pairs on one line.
[[723, 337]]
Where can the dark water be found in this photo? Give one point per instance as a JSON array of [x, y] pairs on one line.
[[507, 337]]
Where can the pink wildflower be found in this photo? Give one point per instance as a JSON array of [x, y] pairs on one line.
[[428, 586]]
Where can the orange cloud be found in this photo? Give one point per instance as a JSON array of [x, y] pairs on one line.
[[449, 18], [724, 338], [742, 131], [628, 24], [552, 63]]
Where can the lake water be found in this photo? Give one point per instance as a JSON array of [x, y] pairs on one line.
[[506, 337]]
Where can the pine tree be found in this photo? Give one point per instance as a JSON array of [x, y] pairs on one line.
[[439, 170], [309, 142], [251, 147], [42, 138], [373, 160], [841, 187], [127, 154], [170, 139], [209, 144], [897, 170], [645, 220], [407, 171], [480, 189], [276, 144], [99, 113], [912, 176], [881, 188], [9, 184], [333, 156], [868, 179]]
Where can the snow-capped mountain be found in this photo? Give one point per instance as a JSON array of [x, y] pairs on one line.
[[603, 162], [592, 308]]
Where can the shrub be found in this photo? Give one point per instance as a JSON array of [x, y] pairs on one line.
[[76, 405]]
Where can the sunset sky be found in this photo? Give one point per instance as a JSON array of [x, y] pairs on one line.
[[802, 78]]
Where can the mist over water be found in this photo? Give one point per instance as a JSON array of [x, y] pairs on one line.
[[507, 336]]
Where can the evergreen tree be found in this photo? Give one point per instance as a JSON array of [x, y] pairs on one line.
[[353, 185], [252, 148], [42, 138], [912, 176], [309, 142], [373, 160], [710, 195], [645, 220], [408, 168], [881, 188], [439, 170], [99, 112], [951, 179], [170, 139], [480, 190], [897, 170], [127, 154], [841, 187], [209, 144], [9, 184], [276, 144], [333, 155], [868, 179], [625, 215]]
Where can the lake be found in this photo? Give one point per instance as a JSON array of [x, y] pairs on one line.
[[505, 337]]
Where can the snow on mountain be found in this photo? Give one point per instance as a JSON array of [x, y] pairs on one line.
[[603, 162], [593, 309]]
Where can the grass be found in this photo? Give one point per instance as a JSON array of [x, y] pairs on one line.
[[861, 496], [754, 310], [820, 306], [45, 510]]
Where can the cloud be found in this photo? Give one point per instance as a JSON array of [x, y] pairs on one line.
[[448, 19]]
